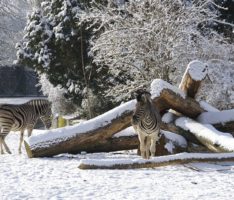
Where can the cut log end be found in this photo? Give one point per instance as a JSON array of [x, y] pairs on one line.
[[28, 150]]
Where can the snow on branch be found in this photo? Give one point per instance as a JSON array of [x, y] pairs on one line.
[[160, 161]]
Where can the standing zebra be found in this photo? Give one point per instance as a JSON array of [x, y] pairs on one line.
[[21, 117], [146, 122]]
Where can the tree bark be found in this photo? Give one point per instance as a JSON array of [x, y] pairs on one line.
[[182, 158], [227, 127]]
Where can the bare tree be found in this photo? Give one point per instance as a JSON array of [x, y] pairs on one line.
[[154, 39], [13, 19]]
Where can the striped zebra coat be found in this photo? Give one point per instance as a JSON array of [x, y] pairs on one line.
[[22, 117], [146, 121]]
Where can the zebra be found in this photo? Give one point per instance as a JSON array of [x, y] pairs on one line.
[[21, 117], [146, 121]]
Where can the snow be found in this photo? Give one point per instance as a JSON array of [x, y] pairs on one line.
[[63, 134], [207, 167], [208, 107], [59, 178], [18, 100], [158, 85], [126, 132], [168, 117], [221, 117], [175, 138], [197, 70], [208, 132]]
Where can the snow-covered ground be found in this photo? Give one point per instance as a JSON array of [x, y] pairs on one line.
[[59, 178]]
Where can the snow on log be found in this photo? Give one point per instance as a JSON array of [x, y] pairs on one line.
[[196, 72], [207, 107], [210, 137], [220, 117], [89, 135], [181, 158], [81, 137], [166, 96], [221, 120]]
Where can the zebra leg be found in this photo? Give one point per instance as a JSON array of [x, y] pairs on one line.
[[154, 139], [147, 145], [5, 146], [142, 144], [21, 140], [1, 144], [4, 133], [30, 131]]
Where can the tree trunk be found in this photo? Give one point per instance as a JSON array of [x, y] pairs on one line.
[[182, 158], [196, 72]]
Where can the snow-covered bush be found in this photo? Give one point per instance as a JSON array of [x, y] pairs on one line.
[[218, 88], [60, 105]]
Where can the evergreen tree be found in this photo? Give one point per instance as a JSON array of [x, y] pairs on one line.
[[56, 43]]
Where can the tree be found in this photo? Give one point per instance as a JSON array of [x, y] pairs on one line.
[[56, 43], [148, 39], [13, 18], [226, 18]]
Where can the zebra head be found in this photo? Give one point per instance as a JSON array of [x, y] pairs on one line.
[[143, 97]]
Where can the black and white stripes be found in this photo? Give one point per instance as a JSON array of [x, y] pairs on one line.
[[21, 117]]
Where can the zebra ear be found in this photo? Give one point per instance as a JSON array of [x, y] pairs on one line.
[[138, 94]]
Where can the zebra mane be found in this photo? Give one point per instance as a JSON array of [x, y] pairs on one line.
[[41, 101]]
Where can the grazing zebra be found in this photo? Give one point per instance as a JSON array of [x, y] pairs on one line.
[[146, 122], [21, 117]]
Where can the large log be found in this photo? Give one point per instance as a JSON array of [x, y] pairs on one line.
[[210, 137], [92, 133], [181, 158]]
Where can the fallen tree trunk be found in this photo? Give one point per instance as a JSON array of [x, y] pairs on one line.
[[94, 132], [181, 158], [210, 137]]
